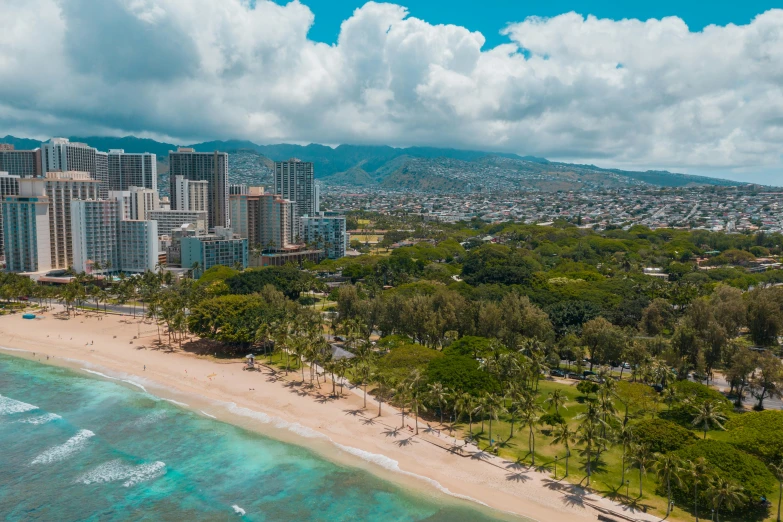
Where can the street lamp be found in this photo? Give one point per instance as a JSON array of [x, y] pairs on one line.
[[627, 485], [556, 459]]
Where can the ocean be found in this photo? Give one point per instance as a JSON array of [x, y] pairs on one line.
[[74, 446]]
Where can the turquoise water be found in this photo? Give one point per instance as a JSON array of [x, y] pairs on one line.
[[74, 447]]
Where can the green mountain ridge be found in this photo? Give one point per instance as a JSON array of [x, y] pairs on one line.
[[412, 168]]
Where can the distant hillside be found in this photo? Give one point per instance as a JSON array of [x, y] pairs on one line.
[[412, 168]]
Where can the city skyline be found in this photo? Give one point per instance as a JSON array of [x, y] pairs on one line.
[[586, 84]]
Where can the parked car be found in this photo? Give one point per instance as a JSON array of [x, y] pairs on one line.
[[587, 372], [557, 373], [626, 366], [574, 376]]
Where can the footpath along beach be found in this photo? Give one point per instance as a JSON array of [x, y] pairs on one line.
[[278, 406]]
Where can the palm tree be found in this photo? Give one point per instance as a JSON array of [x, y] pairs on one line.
[[587, 435], [530, 417], [667, 467], [557, 399], [709, 414], [415, 395], [437, 393], [466, 403], [562, 434], [642, 458], [698, 471], [725, 492], [494, 405], [383, 380], [777, 470], [624, 436], [402, 398]]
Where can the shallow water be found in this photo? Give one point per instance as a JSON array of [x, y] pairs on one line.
[[76, 447]]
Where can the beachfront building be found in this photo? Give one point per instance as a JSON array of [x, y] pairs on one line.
[[22, 163], [9, 186], [295, 181], [95, 236], [127, 170], [169, 220], [191, 195], [62, 155], [59, 189], [220, 248], [211, 167], [139, 249], [265, 220], [326, 231], [26, 232]]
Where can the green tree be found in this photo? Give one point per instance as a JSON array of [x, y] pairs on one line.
[[725, 493], [708, 415], [562, 434], [667, 468]]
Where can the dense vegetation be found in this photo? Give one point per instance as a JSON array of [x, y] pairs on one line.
[[465, 331]]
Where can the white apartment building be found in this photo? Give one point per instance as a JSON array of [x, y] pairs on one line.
[[327, 232], [169, 220], [59, 189], [138, 245], [127, 170], [136, 202], [61, 155], [191, 195], [94, 228]]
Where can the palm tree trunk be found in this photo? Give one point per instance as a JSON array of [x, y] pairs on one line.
[[622, 479], [640, 481], [533, 446], [780, 497], [490, 432], [403, 416], [568, 454], [668, 495]]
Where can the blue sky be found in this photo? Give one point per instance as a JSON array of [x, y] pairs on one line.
[[490, 16]]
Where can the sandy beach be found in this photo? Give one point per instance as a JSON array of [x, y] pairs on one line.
[[125, 348]]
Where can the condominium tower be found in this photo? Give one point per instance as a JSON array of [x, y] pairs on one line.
[[22, 163], [294, 181], [191, 195], [9, 186], [132, 170], [62, 155], [211, 167]]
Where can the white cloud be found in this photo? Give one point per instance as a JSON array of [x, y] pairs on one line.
[[626, 93]]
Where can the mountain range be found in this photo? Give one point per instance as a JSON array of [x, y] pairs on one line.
[[412, 168]]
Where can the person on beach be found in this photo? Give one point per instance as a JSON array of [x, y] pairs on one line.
[[145, 367]]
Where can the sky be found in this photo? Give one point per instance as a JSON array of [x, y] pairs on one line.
[[693, 87]]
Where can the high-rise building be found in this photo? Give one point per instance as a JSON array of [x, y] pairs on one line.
[[26, 231], [211, 167], [326, 231], [60, 188], [295, 181], [94, 229], [276, 222], [220, 248], [191, 195], [132, 170], [169, 220], [136, 202], [22, 163], [9, 186], [235, 189], [103, 242], [138, 244], [61, 155]]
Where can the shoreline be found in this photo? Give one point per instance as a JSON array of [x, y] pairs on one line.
[[282, 409]]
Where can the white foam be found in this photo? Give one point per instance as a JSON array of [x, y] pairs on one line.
[[172, 401], [134, 384], [41, 419], [208, 415], [151, 418], [128, 381], [277, 422], [63, 451], [99, 374], [374, 458], [7, 349], [116, 470], [10, 406], [238, 510]]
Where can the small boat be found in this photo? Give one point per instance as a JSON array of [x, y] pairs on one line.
[[28, 316]]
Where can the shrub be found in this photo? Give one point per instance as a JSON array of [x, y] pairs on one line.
[[401, 360], [587, 387], [758, 433], [460, 373], [696, 394], [552, 419], [727, 462], [470, 346], [662, 436]]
